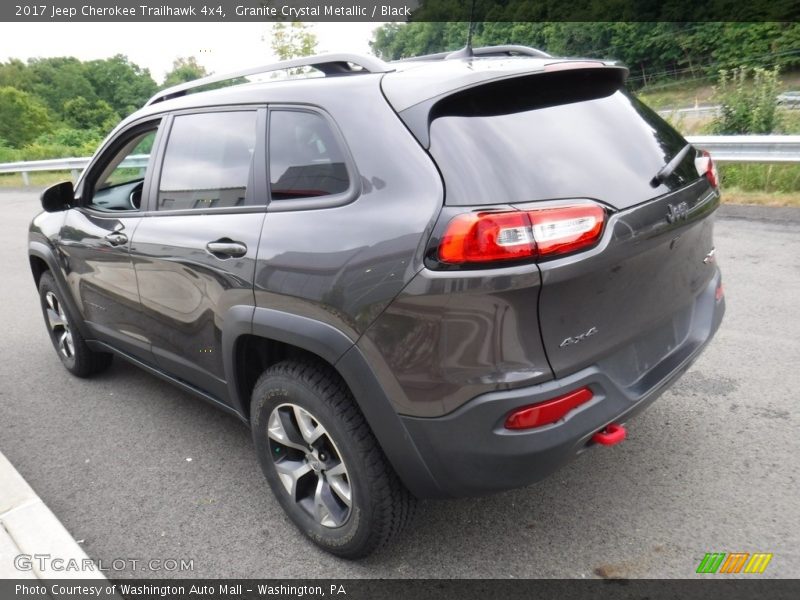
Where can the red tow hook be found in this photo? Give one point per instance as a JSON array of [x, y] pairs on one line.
[[611, 435]]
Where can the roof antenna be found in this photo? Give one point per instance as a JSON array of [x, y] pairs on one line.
[[466, 51]]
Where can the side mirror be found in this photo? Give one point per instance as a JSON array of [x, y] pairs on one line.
[[58, 197]]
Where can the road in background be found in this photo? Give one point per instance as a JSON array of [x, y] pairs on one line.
[[712, 466]]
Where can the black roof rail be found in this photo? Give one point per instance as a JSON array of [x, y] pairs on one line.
[[507, 50], [329, 64]]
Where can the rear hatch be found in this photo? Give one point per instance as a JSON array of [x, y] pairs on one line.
[[574, 135]]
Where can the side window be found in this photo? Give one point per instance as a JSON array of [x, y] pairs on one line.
[[119, 184], [305, 159], [207, 161]]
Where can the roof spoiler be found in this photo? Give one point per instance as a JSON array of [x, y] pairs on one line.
[[562, 83], [486, 51]]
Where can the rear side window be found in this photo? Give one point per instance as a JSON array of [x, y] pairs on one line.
[[305, 158], [551, 138], [208, 160]]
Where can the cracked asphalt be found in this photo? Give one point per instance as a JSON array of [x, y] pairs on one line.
[[712, 466]]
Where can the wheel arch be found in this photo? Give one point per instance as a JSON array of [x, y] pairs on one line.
[[290, 334], [41, 260], [38, 267]]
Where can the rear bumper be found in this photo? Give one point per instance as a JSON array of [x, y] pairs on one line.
[[469, 452]]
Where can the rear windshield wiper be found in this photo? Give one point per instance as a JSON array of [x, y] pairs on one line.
[[669, 168]]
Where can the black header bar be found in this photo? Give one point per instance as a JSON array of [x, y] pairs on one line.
[[398, 10], [710, 588]]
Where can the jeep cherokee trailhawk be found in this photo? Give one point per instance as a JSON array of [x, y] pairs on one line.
[[437, 277]]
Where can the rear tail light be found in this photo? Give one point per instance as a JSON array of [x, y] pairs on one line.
[[485, 237], [549, 411], [705, 166], [566, 229]]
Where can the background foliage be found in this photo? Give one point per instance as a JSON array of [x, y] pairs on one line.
[[292, 39], [54, 107], [57, 107], [669, 61], [60, 107], [653, 51], [748, 101]]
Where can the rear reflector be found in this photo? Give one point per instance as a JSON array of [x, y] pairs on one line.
[[514, 235], [549, 411]]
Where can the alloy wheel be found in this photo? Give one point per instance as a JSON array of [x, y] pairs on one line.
[[59, 325], [309, 465]]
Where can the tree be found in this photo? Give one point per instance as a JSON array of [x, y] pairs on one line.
[[292, 40], [124, 85], [22, 117], [748, 101], [393, 41], [653, 50], [80, 113], [16, 74], [121, 84], [72, 138], [183, 70], [56, 80]]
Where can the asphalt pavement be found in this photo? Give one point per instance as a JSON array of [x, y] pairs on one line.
[[137, 470]]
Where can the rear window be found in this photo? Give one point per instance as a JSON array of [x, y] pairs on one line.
[[521, 144], [305, 159]]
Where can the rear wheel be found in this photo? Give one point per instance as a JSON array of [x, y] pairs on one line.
[[75, 354], [322, 461]]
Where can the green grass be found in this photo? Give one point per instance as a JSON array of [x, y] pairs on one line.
[[39, 179], [684, 93], [788, 122], [738, 196], [679, 94], [777, 178]]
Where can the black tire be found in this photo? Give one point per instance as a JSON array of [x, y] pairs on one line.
[[70, 345], [380, 506]]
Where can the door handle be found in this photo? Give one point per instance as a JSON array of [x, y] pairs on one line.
[[226, 248], [116, 238]]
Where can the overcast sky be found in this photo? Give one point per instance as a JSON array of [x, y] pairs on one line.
[[220, 47]]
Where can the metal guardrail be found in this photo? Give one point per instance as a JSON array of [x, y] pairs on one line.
[[749, 148], [693, 112], [723, 149], [74, 165]]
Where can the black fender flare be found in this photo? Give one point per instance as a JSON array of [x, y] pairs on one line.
[[44, 252], [311, 335], [338, 349]]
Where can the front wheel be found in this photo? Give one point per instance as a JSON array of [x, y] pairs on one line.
[[322, 461], [75, 354]]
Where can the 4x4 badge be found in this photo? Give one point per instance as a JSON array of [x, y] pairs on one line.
[[578, 338]]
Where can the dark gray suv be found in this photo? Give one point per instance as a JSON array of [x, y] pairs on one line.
[[438, 277]]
